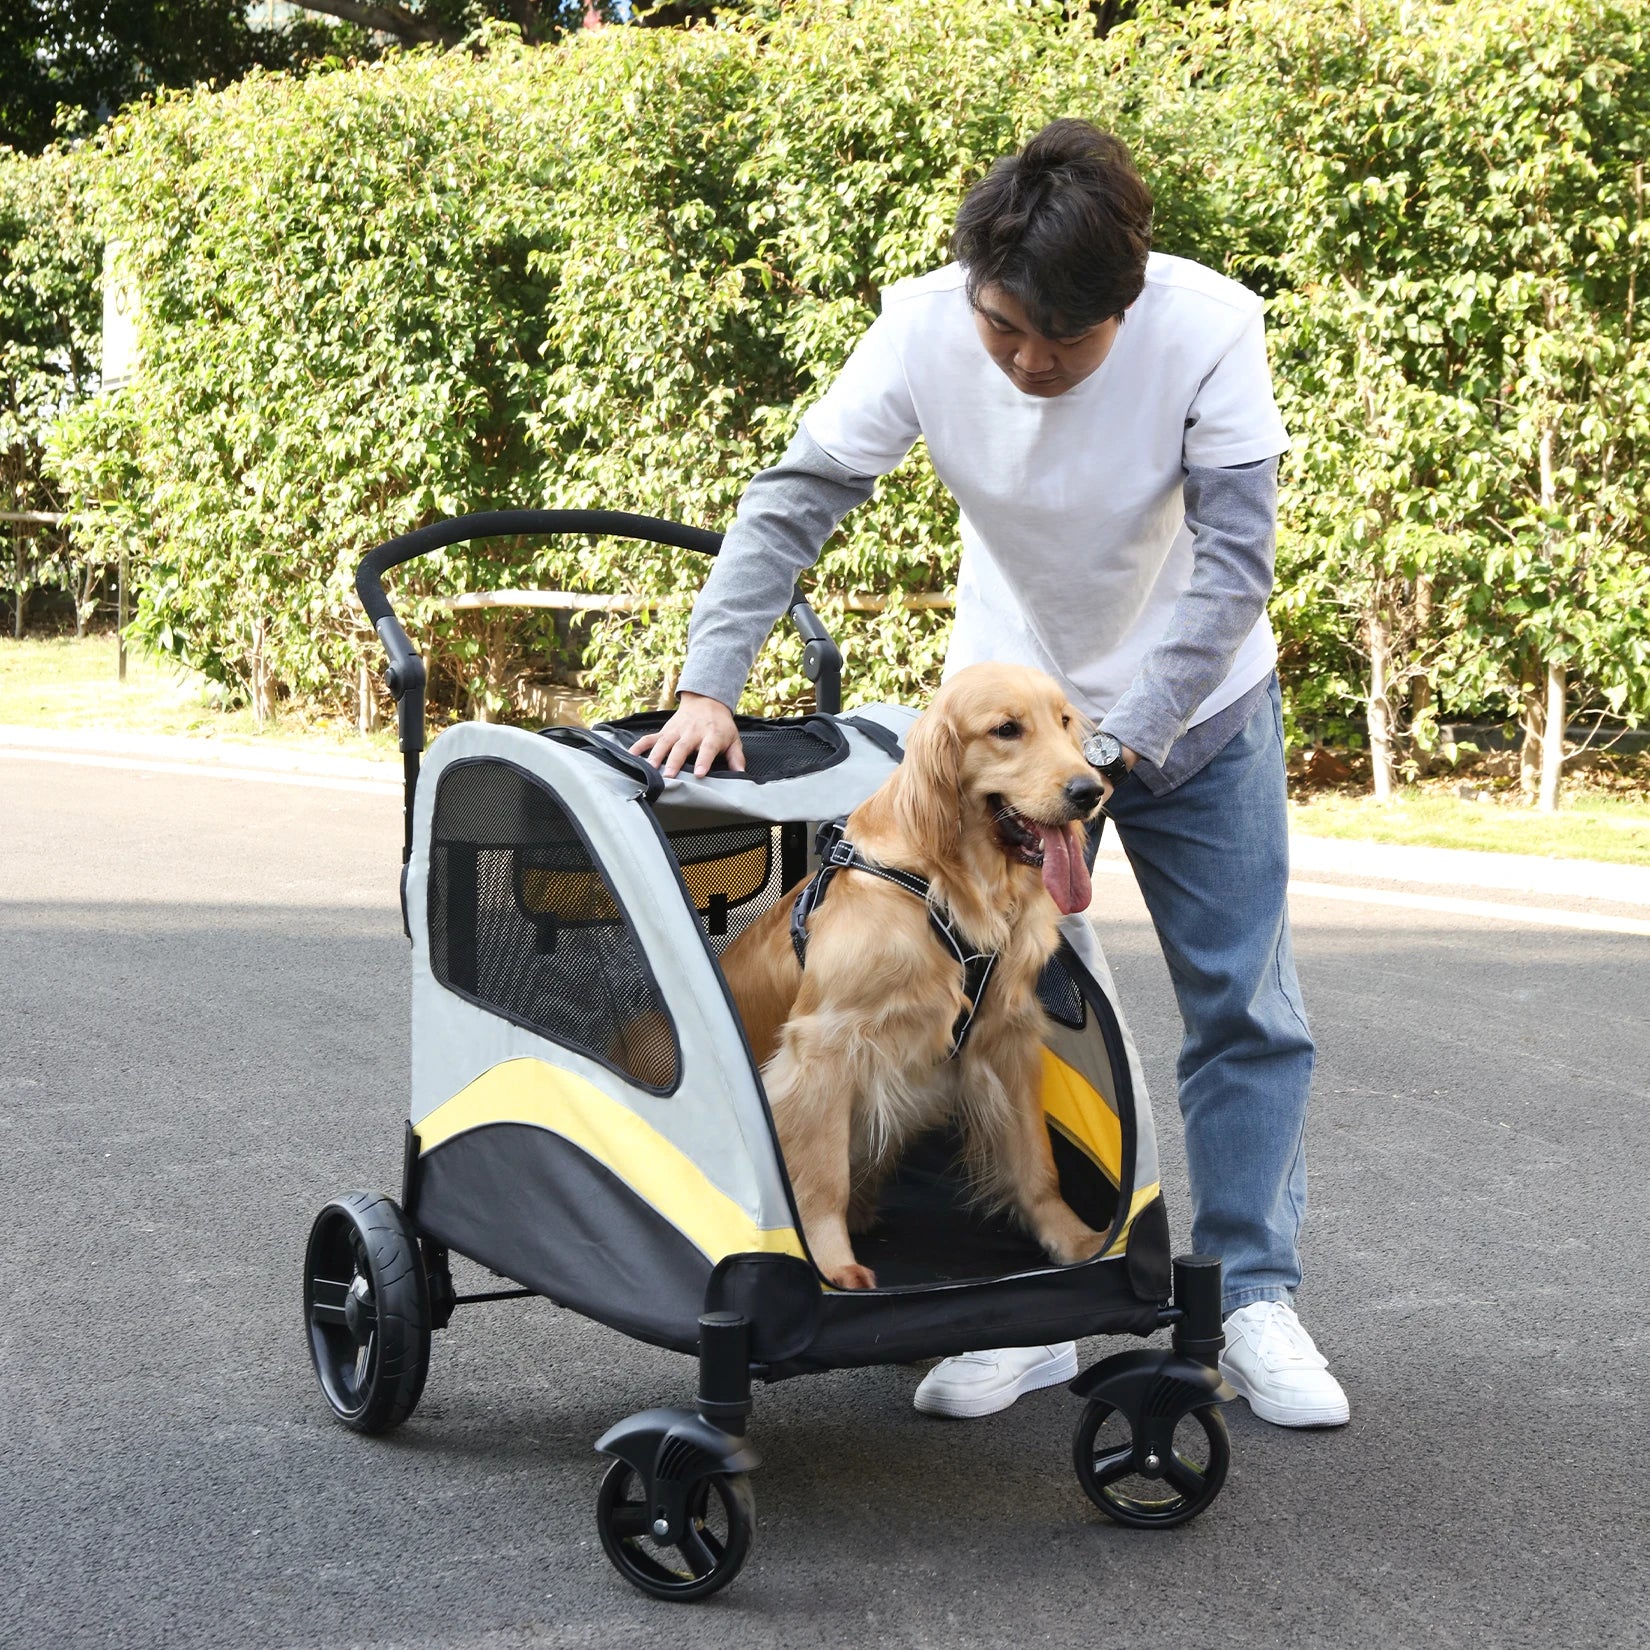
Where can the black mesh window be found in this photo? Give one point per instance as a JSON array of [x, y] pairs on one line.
[[736, 872], [1058, 993], [523, 921], [780, 748]]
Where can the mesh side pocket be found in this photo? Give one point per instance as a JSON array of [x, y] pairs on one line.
[[523, 920], [1057, 992]]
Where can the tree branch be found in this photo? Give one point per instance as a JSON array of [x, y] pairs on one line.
[[525, 15], [386, 18]]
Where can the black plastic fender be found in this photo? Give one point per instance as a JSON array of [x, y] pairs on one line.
[[671, 1450], [1153, 1388]]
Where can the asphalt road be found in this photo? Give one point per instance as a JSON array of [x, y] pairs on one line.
[[203, 1023]]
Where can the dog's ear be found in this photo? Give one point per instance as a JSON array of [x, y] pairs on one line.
[[1082, 727], [929, 800]]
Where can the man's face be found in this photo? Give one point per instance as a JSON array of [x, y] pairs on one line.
[[1035, 364]]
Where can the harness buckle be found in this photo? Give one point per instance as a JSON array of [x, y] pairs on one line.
[[829, 833]]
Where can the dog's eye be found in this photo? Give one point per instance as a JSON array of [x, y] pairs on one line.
[[1065, 721], [1008, 730]]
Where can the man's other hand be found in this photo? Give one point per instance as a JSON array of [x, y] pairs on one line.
[[700, 724]]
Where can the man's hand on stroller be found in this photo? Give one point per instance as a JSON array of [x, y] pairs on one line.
[[701, 725]]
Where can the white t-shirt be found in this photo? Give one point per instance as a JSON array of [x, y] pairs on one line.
[[1075, 546]]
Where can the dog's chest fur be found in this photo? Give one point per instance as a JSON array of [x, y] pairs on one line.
[[910, 1078]]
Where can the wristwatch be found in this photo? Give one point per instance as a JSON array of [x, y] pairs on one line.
[[1104, 751]]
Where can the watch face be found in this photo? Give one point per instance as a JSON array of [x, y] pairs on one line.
[[1100, 750]]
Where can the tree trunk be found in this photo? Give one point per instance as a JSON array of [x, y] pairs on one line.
[[1552, 746], [366, 716], [1380, 707], [1420, 686], [85, 597], [1532, 702], [263, 678], [20, 592], [121, 615]]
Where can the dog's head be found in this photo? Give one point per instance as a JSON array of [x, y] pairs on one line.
[[996, 763]]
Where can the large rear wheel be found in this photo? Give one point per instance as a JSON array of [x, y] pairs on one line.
[[367, 1310]]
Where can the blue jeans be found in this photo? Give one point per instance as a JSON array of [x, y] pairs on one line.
[[1212, 861]]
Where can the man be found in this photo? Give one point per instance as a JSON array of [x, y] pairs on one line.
[[1104, 418]]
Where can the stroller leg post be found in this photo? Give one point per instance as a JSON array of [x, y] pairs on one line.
[[1199, 1333], [725, 1371]]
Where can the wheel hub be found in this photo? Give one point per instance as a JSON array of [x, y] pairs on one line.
[[359, 1314]]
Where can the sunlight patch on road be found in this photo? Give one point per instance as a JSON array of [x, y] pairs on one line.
[[1543, 916], [211, 770]]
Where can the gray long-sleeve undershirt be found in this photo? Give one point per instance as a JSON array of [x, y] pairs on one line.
[[789, 511], [782, 523]]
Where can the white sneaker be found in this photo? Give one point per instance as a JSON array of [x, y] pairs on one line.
[[1271, 1360], [981, 1383]]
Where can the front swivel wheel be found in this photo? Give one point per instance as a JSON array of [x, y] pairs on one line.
[[715, 1541], [1168, 1483]]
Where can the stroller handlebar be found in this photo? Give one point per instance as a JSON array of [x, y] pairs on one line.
[[406, 676], [821, 660]]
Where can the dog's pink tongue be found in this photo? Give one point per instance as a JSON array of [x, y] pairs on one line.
[[1064, 874]]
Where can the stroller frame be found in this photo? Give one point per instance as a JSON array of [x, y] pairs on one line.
[[627, 1114]]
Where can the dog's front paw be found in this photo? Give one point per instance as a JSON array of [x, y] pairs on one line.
[[853, 1277], [1070, 1250]]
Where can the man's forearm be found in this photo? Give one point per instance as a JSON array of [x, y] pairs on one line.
[[1233, 516], [783, 521]]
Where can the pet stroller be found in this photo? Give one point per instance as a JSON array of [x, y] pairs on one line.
[[587, 1120]]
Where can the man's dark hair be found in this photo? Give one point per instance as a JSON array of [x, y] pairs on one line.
[[1064, 227]]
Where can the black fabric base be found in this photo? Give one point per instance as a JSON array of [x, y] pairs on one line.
[[862, 1329], [535, 1208], [952, 1278]]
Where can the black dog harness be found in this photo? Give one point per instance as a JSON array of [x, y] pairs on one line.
[[836, 853]]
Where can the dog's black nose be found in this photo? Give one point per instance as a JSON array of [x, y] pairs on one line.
[[1082, 795]]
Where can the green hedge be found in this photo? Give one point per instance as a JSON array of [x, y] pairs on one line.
[[614, 271], [49, 319]]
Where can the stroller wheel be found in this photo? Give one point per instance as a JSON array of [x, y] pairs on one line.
[[721, 1513], [1189, 1477], [367, 1310]]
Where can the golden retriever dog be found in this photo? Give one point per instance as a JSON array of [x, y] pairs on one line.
[[856, 1048]]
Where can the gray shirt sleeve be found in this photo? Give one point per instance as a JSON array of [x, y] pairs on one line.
[[783, 521], [1233, 514]]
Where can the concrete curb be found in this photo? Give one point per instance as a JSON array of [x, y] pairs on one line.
[[1455, 868]]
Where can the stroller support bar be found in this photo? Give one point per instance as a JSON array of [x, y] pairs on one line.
[[821, 658], [406, 675]]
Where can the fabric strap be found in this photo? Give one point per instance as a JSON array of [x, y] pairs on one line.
[[835, 854]]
